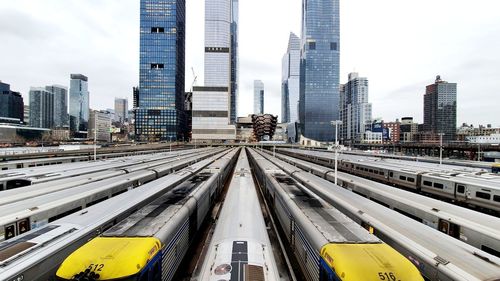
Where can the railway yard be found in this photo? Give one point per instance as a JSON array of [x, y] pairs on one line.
[[247, 213]]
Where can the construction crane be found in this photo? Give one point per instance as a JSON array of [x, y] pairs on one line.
[[194, 79]]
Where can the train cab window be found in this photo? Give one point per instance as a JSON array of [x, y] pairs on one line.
[[427, 183], [460, 188], [1, 186], [438, 185], [483, 195], [403, 178], [496, 198]]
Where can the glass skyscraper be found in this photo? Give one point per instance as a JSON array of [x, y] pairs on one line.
[[258, 97], [60, 105], [160, 100], [213, 103], [79, 111], [290, 81], [41, 108], [319, 81], [234, 60]]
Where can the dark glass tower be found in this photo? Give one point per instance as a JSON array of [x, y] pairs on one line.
[[160, 104], [319, 78], [11, 103]]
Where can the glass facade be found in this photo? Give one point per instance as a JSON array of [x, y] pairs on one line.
[[440, 109], [290, 87], [79, 110], [41, 108], [160, 100], [258, 97], [11, 103], [60, 105], [121, 109], [319, 81], [234, 60], [214, 104]]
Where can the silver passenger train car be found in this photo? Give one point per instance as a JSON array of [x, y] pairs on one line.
[[155, 239], [474, 228], [467, 186], [240, 248], [36, 255], [438, 256], [31, 210]]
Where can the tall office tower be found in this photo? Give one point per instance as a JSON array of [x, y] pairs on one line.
[[41, 108], [319, 76], [211, 112], [258, 97], [440, 109], [160, 112], [60, 105], [290, 81], [11, 104], [355, 110], [234, 60], [79, 110], [121, 109]]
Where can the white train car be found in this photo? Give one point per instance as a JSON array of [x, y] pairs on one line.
[[240, 248]]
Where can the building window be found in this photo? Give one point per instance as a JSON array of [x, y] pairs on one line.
[[312, 45], [157, 66], [157, 29], [333, 46]]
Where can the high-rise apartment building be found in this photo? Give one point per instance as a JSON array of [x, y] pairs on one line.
[[440, 110], [290, 81], [320, 58], [79, 110], [355, 110], [121, 109], [102, 121], [11, 103], [212, 103], [41, 108], [159, 114], [60, 105], [258, 97]]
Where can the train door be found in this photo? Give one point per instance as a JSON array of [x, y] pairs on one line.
[[449, 228]]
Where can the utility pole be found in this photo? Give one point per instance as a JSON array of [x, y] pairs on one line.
[[441, 148], [95, 136], [336, 123]]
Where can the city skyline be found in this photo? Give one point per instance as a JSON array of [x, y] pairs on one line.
[[457, 45]]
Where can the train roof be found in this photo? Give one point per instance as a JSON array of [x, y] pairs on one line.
[[333, 225], [471, 179], [150, 219]]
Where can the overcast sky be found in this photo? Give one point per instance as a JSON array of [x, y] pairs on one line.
[[400, 46]]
